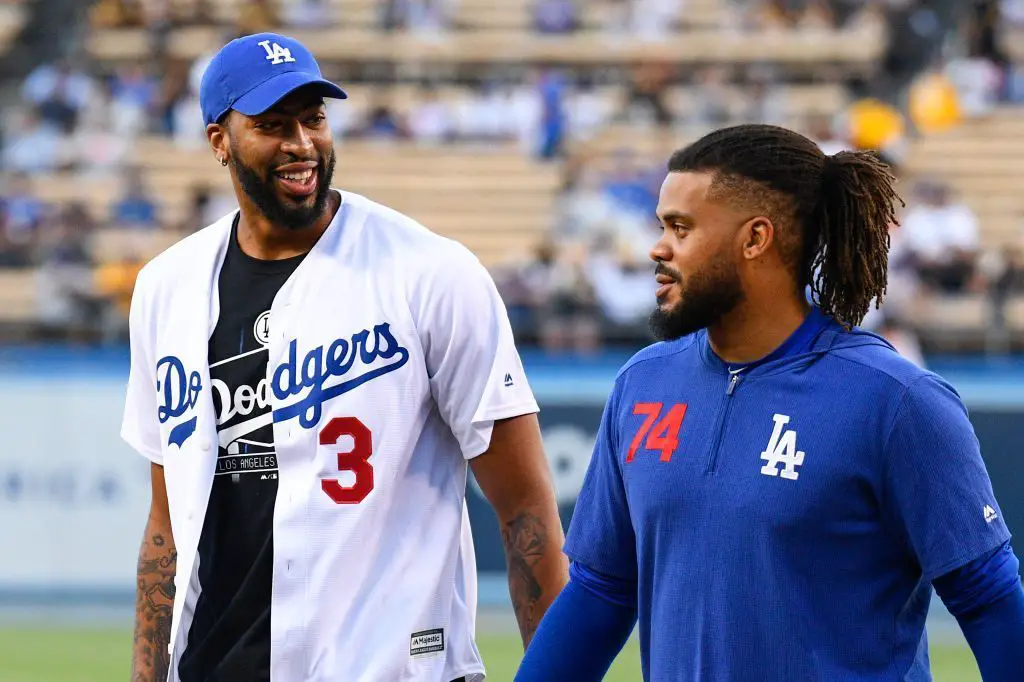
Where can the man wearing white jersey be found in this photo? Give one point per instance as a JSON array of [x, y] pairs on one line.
[[312, 377]]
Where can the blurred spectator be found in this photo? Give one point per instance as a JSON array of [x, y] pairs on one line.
[[624, 287], [519, 109], [135, 208], [431, 119], [64, 286], [172, 92], [979, 83], [116, 13], [647, 92], [158, 17], [874, 124], [615, 16], [59, 92], [903, 284], [343, 118], [765, 98], [99, 145], [916, 34], [23, 212], [207, 206], [588, 109], [555, 16], [483, 115], [429, 16], [629, 187], [135, 95], [793, 14], [822, 130], [1011, 13], [643, 19], [382, 124], [711, 103], [983, 34], [934, 104], [257, 16], [942, 236], [391, 14], [585, 210], [309, 14], [551, 90], [567, 312], [903, 339], [1006, 279], [113, 285], [12, 255], [417, 16], [655, 19], [33, 147], [76, 214]]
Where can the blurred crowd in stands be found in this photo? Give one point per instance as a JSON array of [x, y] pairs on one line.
[[590, 282]]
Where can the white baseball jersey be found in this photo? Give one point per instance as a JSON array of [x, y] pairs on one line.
[[390, 355]]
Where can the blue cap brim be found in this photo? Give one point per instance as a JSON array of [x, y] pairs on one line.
[[270, 92]]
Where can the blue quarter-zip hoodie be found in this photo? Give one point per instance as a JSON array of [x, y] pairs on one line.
[[784, 519]]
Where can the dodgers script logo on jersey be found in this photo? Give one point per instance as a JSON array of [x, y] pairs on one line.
[[179, 390], [319, 365]]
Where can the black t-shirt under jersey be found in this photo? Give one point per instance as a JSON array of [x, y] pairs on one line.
[[229, 639]]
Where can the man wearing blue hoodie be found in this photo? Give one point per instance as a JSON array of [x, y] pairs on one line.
[[774, 492]]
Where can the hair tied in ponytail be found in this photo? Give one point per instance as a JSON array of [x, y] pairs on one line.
[[831, 172]]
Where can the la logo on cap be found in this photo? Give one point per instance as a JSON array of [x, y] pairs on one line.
[[275, 53]]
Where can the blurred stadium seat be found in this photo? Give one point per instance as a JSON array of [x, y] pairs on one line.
[[624, 87]]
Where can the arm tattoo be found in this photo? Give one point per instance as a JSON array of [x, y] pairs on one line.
[[154, 600], [525, 538]]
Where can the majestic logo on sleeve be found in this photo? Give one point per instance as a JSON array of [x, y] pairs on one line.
[[782, 450], [178, 392]]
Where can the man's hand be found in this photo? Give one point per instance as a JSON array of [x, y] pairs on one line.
[[513, 474]]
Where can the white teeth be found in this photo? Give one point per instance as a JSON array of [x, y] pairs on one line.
[[302, 177]]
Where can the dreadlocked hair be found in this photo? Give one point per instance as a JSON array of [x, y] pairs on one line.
[[839, 207]]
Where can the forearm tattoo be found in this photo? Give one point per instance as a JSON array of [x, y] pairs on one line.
[[525, 538], [154, 603]]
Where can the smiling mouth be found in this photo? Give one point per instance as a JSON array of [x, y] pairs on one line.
[[302, 177], [298, 183]]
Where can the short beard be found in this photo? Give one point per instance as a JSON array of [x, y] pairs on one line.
[[261, 193], [708, 296]]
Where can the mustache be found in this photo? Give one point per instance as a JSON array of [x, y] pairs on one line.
[[663, 269], [318, 159]]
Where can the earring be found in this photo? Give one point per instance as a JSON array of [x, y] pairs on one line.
[[223, 161]]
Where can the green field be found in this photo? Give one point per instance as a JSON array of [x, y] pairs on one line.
[[86, 655]]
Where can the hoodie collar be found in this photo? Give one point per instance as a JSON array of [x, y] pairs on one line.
[[800, 341]]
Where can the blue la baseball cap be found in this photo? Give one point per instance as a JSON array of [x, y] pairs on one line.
[[253, 73]]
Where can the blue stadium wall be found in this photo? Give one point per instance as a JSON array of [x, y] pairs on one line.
[[73, 497]]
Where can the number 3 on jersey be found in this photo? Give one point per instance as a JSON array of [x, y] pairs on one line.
[[355, 460], [662, 436]]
